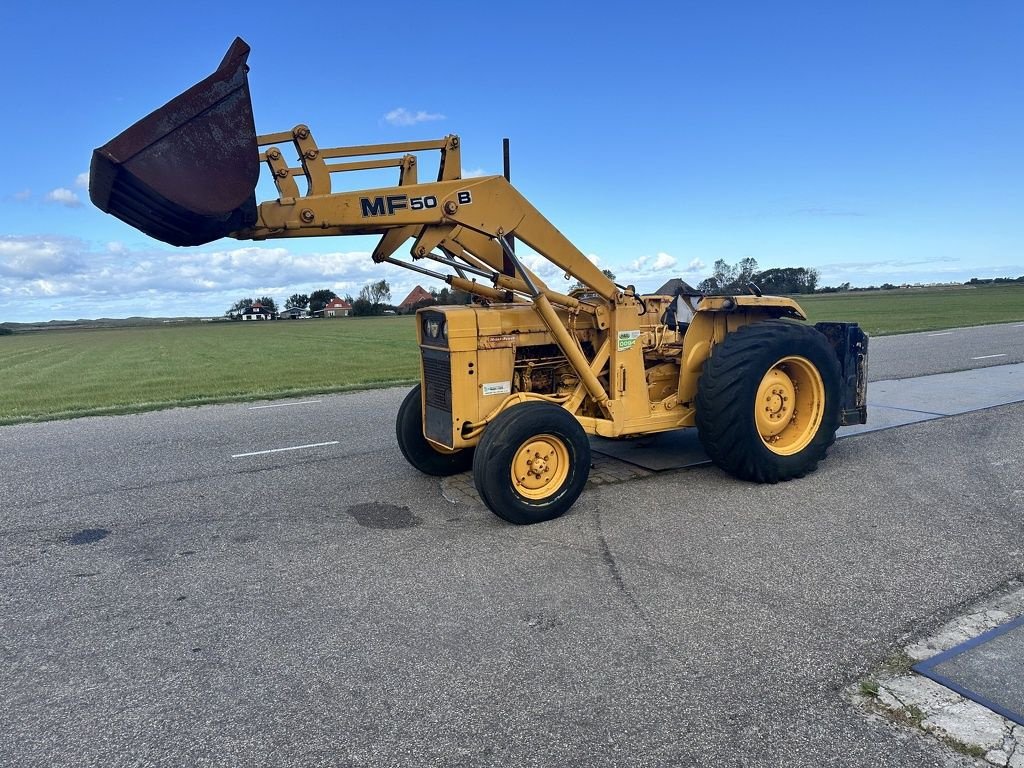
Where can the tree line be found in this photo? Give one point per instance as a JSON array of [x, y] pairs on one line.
[[374, 298], [735, 278]]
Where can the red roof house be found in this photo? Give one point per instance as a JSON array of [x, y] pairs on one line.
[[337, 308], [415, 296]]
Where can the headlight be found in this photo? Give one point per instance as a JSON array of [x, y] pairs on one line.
[[444, 329], [431, 327]]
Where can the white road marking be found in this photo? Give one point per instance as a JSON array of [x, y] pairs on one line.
[[1019, 325], [279, 450], [284, 405], [944, 333], [986, 357]]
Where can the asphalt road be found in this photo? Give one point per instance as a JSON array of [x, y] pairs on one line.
[[955, 349], [169, 601]]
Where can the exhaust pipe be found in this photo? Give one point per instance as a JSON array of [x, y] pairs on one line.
[[186, 174]]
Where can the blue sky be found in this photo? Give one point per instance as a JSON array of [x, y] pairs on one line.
[[875, 142]]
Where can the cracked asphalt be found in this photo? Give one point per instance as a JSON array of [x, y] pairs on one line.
[[166, 604]]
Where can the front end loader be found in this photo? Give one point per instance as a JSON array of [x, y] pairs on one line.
[[512, 385]]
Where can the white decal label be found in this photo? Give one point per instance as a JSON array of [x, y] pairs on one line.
[[498, 388], [627, 339]]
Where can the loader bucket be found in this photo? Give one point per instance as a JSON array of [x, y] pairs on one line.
[[186, 173]]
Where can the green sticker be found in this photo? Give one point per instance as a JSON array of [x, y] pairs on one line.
[[627, 339]]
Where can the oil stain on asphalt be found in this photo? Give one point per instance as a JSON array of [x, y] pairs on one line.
[[375, 515], [86, 536]]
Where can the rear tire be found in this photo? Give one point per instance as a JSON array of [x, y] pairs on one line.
[[768, 401], [415, 447], [532, 463]]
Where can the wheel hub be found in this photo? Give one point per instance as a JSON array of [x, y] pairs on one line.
[[789, 405], [776, 400], [540, 466]]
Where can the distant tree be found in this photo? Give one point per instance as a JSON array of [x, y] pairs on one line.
[[376, 293], [239, 308], [709, 285], [787, 280], [736, 278], [297, 301], [5, 331], [373, 298], [745, 272], [362, 308], [318, 299], [725, 275], [268, 304]]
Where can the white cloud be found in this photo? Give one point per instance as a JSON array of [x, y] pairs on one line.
[[647, 265], [64, 196], [662, 262], [82, 180], [32, 258], [695, 265], [23, 195], [402, 116], [474, 173], [112, 279]]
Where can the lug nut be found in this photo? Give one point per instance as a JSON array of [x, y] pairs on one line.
[[451, 207], [307, 215]]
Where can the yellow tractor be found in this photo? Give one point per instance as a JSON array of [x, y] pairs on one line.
[[512, 384]]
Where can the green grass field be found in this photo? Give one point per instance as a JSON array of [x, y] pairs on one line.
[[60, 374], [906, 310], [67, 373]]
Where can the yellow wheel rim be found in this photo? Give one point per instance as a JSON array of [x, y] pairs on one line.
[[789, 406], [540, 467]]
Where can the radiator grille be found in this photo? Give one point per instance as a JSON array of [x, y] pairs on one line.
[[437, 388]]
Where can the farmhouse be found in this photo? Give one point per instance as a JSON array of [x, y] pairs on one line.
[[415, 296], [337, 308], [258, 312]]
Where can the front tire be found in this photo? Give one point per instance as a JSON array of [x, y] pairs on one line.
[[532, 463], [768, 401], [414, 446]]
